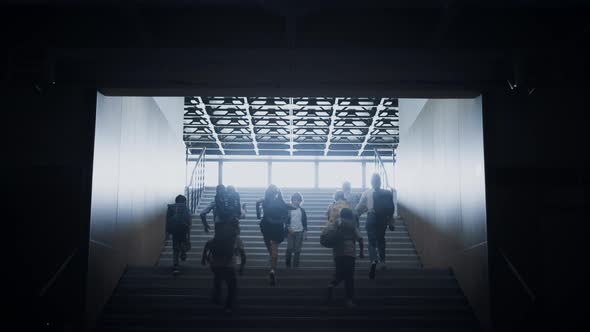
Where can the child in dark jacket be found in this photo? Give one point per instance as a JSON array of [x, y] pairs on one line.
[[296, 230], [178, 223], [220, 252], [345, 253]]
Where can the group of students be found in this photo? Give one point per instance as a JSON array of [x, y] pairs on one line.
[[282, 220]]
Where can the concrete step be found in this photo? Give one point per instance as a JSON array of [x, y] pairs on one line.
[[410, 273], [306, 250], [393, 321], [327, 264], [305, 256], [257, 243]]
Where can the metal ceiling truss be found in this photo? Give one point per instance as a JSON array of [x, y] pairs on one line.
[[291, 126]]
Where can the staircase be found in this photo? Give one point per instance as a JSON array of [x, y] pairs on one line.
[[400, 250], [405, 297]]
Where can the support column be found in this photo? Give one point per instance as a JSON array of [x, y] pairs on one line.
[[364, 174], [220, 172], [269, 174], [316, 166]]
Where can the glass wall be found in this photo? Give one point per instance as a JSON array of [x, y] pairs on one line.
[[333, 174], [289, 174], [245, 174], [371, 170], [293, 174], [211, 173]]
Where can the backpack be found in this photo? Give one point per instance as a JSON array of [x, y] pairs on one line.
[[179, 218], [275, 212], [331, 235], [227, 206], [383, 204]]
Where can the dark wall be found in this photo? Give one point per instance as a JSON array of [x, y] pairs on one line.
[[47, 172], [537, 198]]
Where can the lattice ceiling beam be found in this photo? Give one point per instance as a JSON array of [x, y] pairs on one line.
[[211, 127], [251, 125], [333, 119], [376, 117]]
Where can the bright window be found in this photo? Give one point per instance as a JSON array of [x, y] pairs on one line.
[[245, 174], [333, 174], [211, 173], [293, 174], [371, 170]]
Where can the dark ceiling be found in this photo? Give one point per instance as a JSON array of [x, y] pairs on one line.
[[434, 48]]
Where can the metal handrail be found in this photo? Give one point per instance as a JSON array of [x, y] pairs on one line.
[[381, 170], [57, 274], [514, 271], [196, 185]]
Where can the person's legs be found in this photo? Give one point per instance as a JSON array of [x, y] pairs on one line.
[[338, 277], [176, 247], [381, 228], [274, 254], [339, 274], [290, 248], [298, 244], [183, 245], [371, 227], [348, 276], [230, 279], [217, 278], [272, 248]]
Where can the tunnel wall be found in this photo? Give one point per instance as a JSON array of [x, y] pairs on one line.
[[139, 166], [441, 189]]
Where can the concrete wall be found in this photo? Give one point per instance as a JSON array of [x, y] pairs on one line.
[[139, 166], [441, 192]]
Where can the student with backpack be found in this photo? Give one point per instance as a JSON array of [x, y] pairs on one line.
[[378, 203], [344, 235], [220, 252], [178, 223], [296, 230], [272, 225], [334, 208], [225, 207], [219, 190]]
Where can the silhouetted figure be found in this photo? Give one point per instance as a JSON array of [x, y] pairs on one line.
[[219, 190], [379, 207], [334, 208], [344, 254], [233, 207], [272, 225], [220, 252], [178, 223], [296, 230], [352, 198]]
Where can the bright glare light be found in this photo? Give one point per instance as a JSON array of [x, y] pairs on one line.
[[245, 174], [333, 174], [293, 174], [211, 173]]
